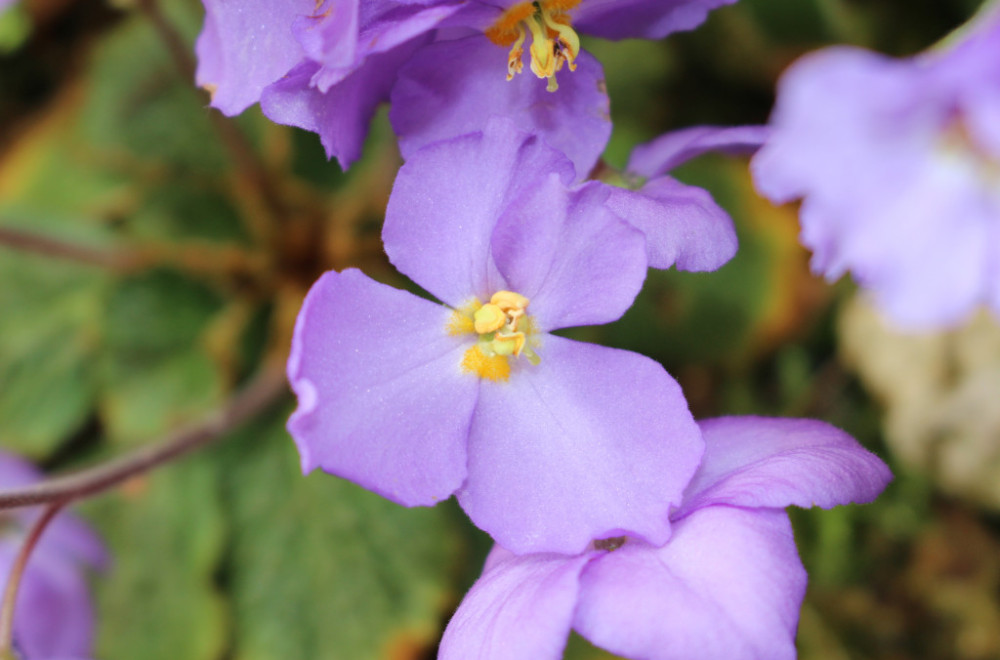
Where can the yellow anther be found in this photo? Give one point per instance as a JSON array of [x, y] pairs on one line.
[[553, 40], [515, 63], [489, 318], [508, 343], [504, 330], [508, 300]]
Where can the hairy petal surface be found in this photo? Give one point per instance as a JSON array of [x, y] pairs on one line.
[[432, 102], [728, 585], [777, 462], [382, 400], [682, 224], [520, 609], [446, 202], [591, 442], [577, 262], [244, 46]]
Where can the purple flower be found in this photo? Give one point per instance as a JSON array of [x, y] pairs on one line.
[[326, 67], [728, 584], [683, 225], [898, 166], [53, 617], [546, 442]]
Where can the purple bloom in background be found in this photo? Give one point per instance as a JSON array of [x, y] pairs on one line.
[[683, 225], [326, 67], [727, 585], [547, 442], [54, 617], [898, 166]]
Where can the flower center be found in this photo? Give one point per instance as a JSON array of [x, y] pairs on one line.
[[610, 545], [553, 40], [961, 148], [504, 331]]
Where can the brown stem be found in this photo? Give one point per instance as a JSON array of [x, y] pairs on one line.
[[16, 573], [51, 247], [265, 388]]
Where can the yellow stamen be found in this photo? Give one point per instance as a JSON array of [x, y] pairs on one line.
[[508, 300], [489, 318], [492, 367], [461, 320], [553, 40], [507, 344], [505, 332]]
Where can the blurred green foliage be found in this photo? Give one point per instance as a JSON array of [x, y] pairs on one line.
[[185, 274]]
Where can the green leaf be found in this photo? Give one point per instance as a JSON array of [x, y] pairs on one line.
[[321, 568], [157, 373], [50, 327], [158, 600]]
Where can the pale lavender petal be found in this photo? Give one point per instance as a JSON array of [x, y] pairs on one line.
[[396, 24], [577, 262], [244, 46], [330, 36], [676, 148], [54, 616], [16, 472], [341, 115], [683, 225], [777, 462], [591, 442], [454, 87], [65, 534], [446, 202], [520, 609], [642, 19], [729, 584], [382, 399]]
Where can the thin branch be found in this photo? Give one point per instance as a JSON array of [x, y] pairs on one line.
[[202, 259], [16, 573], [52, 247], [265, 389]]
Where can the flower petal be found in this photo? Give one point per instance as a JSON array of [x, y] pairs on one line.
[[245, 46], [576, 261], [66, 534], [592, 442], [642, 19], [677, 147], [54, 616], [520, 609], [683, 225], [775, 462], [341, 115], [452, 87], [382, 400], [728, 585], [446, 202], [385, 25]]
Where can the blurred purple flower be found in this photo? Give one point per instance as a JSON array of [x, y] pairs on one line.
[[54, 617], [728, 584], [898, 166], [546, 442], [326, 66]]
